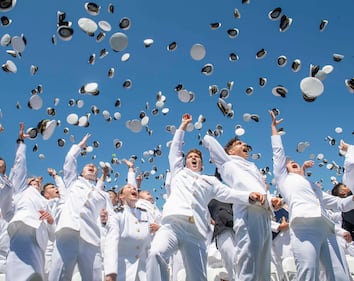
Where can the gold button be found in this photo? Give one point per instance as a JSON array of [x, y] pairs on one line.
[[136, 256], [138, 230]]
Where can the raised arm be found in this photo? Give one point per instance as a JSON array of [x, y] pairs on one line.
[[131, 172], [279, 158], [106, 169], [59, 183], [306, 165], [217, 153], [175, 155], [70, 163], [18, 173], [348, 175]]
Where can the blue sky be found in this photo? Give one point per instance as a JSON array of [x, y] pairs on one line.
[[63, 68]]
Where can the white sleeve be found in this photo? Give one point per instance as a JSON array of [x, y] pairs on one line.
[[217, 153], [18, 173], [132, 179], [111, 241], [348, 175], [70, 165], [279, 158], [175, 155]]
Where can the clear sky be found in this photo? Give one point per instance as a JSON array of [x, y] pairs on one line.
[[63, 69]]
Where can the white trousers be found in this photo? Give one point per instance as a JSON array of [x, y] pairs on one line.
[[253, 244], [70, 250], [310, 238], [226, 245], [177, 234], [25, 260]]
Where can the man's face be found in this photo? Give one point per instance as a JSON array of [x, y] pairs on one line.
[[146, 195], [344, 191], [240, 148], [89, 172], [51, 191], [293, 167], [194, 162]]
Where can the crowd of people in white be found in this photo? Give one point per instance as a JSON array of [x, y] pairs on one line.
[[225, 227]]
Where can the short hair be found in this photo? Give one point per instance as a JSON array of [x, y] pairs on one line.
[[113, 191], [335, 189], [196, 151], [45, 186], [230, 143]]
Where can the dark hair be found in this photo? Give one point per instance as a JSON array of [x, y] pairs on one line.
[[113, 191], [45, 186], [335, 189], [217, 174], [194, 150], [230, 143]]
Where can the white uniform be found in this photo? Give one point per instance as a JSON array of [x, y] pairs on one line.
[[126, 245], [7, 209], [78, 230], [55, 207], [28, 234], [281, 248], [186, 219], [155, 215], [251, 222], [4, 244], [310, 228]]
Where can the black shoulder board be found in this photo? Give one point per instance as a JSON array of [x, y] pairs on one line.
[[118, 209]]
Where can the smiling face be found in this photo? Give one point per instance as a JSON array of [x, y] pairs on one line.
[[343, 191], [128, 195], [89, 172], [238, 148], [194, 160]]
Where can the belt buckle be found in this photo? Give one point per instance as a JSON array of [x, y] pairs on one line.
[[191, 220]]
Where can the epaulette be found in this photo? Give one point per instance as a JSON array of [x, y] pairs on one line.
[[141, 209]]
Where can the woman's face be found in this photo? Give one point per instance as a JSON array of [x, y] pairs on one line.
[[128, 195]]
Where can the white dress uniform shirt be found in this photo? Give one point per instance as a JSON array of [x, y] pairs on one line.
[[6, 213], [4, 244], [126, 245], [55, 207], [78, 229], [186, 219], [348, 175], [309, 220], [25, 227], [251, 223], [153, 211]]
